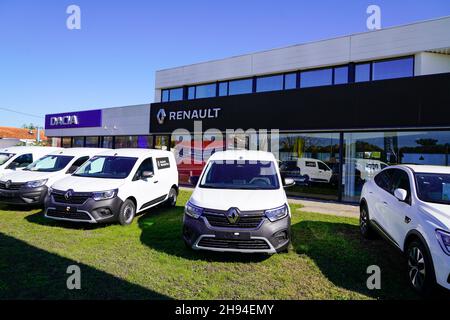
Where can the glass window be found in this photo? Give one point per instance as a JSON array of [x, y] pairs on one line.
[[4, 157], [341, 75], [362, 72], [271, 83], [240, 175], [77, 163], [78, 142], [107, 167], [162, 142], [205, 91], [66, 142], [107, 142], [144, 142], [92, 142], [176, 94], [146, 165], [367, 153], [191, 93], [312, 160], [50, 164], [223, 89], [391, 69], [55, 142], [126, 142], [240, 86], [314, 78], [290, 81], [164, 95], [433, 187], [21, 161]]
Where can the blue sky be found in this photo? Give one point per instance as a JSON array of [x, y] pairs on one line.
[[111, 61]]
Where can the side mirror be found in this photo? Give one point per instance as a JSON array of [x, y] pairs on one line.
[[400, 194], [147, 174], [288, 182], [13, 166], [194, 180]]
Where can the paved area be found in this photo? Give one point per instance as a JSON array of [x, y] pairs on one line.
[[324, 207]]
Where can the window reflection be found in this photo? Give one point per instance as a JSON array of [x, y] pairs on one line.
[[314, 78], [391, 69], [240, 86], [269, 83]]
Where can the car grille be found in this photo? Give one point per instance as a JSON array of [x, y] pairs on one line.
[[247, 219], [75, 198], [12, 186], [252, 244], [68, 215]]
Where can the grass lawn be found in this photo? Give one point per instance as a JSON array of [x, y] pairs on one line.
[[327, 260]]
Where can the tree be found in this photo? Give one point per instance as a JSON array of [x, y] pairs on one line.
[[29, 126]]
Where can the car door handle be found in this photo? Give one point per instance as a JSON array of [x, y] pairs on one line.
[[156, 181], [385, 203]]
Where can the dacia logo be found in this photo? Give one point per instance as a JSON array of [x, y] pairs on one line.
[[160, 116], [68, 194], [8, 184], [233, 215]]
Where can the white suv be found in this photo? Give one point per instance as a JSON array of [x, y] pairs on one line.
[[114, 186], [410, 206], [239, 205]]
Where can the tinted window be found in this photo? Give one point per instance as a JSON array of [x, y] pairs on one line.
[[240, 86], [322, 166], [107, 167], [341, 75], [433, 187], [240, 175], [383, 180], [50, 164], [191, 92], [290, 81], [21, 161], [362, 72], [92, 142], [77, 164], [400, 180], [391, 69], [269, 83], [205, 91], [78, 142], [316, 78], [147, 165], [176, 94], [223, 89], [165, 95], [4, 157]]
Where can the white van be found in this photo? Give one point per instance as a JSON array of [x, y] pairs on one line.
[[239, 205], [314, 170], [29, 186], [17, 158], [114, 186]]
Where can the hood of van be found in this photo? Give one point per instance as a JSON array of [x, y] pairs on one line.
[[244, 200], [83, 184], [21, 176]]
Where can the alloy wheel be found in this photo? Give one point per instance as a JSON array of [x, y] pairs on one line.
[[416, 267], [363, 221], [128, 213]]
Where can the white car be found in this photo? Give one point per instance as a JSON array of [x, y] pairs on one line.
[[314, 170], [114, 186], [29, 186], [409, 205], [239, 205], [17, 158]]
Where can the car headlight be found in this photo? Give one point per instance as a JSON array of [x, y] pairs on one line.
[[36, 184], [277, 213], [104, 195], [192, 210], [444, 240]]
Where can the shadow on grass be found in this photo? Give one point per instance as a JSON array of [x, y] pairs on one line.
[[27, 272], [343, 257], [162, 231], [39, 218]]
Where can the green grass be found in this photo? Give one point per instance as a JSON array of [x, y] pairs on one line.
[[148, 260]]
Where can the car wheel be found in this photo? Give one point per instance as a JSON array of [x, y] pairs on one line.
[[172, 198], [364, 223], [420, 268], [127, 212]]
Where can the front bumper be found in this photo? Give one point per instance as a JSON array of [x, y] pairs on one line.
[[88, 211], [268, 237], [24, 196], [441, 263]]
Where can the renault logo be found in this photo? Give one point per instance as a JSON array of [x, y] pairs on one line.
[[233, 215], [8, 184], [160, 116], [68, 194]]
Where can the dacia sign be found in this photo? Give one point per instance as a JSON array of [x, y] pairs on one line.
[[79, 119]]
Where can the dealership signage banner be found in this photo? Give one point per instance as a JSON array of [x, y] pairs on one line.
[[80, 119]]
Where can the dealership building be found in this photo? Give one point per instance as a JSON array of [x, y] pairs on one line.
[[343, 108]]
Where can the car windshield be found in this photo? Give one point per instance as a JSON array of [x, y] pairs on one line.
[[50, 163], [252, 175], [107, 167], [5, 157], [433, 187]]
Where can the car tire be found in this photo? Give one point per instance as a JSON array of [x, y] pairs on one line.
[[420, 269], [365, 228], [127, 212], [172, 198]]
